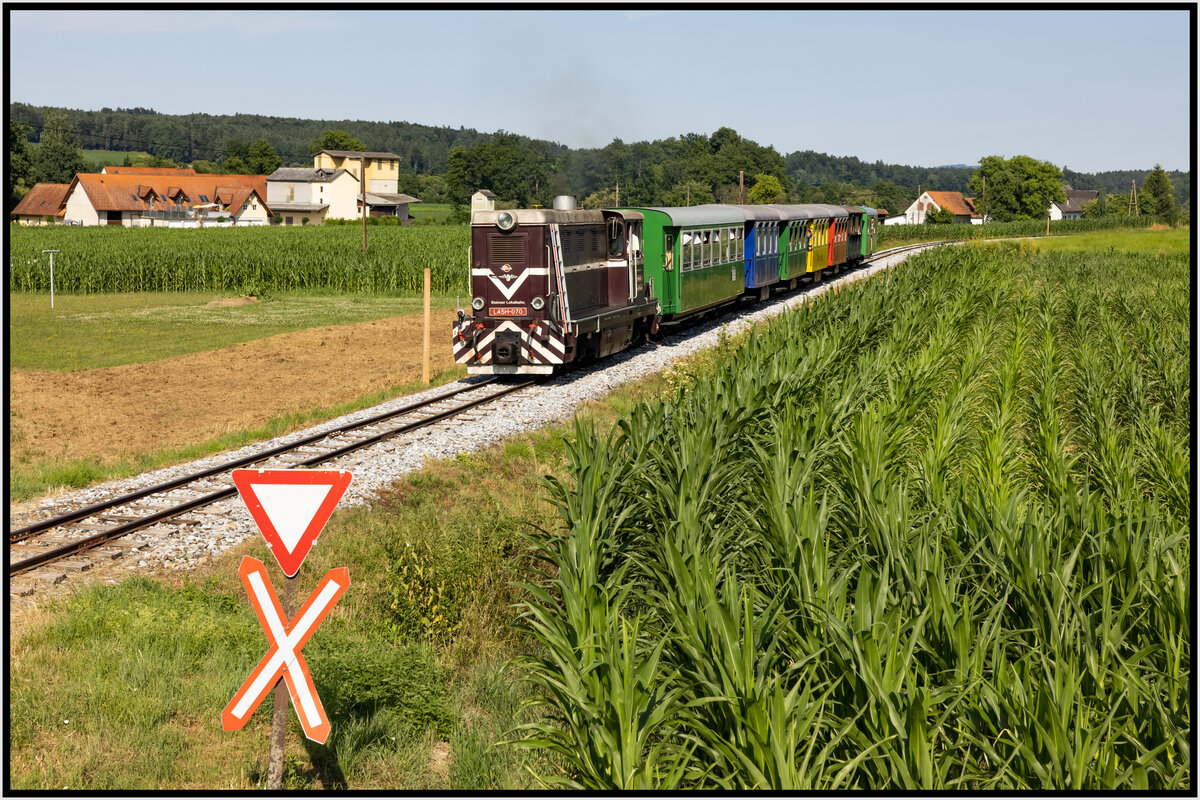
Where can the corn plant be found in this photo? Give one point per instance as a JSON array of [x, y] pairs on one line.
[[931, 532]]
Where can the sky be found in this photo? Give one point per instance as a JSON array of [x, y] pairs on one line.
[[1089, 89]]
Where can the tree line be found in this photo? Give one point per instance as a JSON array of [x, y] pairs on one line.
[[447, 165]]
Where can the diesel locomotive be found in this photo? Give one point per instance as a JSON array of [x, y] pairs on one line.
[[558, 285]]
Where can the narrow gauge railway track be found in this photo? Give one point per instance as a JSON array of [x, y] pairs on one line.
[[326, 445]]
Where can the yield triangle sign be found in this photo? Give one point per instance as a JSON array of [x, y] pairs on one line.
[[290, 507]]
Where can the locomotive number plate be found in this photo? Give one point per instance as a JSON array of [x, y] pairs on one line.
[[507, 311]]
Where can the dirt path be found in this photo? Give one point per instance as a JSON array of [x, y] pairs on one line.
[[117, 412]]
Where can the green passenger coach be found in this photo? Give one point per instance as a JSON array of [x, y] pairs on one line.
[[695, 256]]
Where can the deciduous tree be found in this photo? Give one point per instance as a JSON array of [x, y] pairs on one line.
[[336, 140], [1018, 188], [59, 157], [766, 189], [262, 159], [688, 193], [888, 195], [20, 162]]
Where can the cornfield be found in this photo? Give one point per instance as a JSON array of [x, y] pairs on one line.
[[932, 532], [242, 260]]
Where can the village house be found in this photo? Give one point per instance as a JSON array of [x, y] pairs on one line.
[[42, 205], [297, 194], [382, 186], [963, 209], [1073, 207], [174, 199]]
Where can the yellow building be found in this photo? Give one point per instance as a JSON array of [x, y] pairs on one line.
[[383, 169]]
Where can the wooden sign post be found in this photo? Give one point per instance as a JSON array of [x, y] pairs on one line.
[[425, 360]]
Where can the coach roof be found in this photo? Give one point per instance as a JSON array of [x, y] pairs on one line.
[[708, 214]]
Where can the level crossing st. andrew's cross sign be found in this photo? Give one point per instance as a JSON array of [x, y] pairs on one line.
[[290, 508]]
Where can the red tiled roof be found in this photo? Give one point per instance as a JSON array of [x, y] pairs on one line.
[[954, 202], [149, 171], [126, 192], [44, 199]]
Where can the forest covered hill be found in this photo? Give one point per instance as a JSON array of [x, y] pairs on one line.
[[645, 170]]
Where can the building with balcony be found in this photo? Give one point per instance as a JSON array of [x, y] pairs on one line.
[[173, 200]]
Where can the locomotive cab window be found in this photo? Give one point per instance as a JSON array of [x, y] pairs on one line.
[[616, 238]]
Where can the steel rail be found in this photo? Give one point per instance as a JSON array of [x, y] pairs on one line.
[[20, 534], [121, 530]]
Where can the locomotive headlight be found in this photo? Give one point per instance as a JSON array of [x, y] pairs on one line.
[[538, 303], [477, 304], [505, 221]]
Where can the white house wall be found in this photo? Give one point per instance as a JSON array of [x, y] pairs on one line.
[[915, 214], [255, 213], [341, 194], [79, 207]]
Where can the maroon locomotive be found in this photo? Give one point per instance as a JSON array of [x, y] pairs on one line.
[[552, 286]]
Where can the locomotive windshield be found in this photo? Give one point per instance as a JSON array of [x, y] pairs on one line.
[[616, 238]]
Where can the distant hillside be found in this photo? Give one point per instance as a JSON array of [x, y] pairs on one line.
[[816, 169], [423, 149], [645, 170]]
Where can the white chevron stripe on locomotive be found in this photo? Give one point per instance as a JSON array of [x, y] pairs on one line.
[[507, 325], [484, 345], [508, 291]]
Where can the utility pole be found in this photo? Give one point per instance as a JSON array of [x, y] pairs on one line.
[[741, 186], [362, 177], [983, 212], [618, 193], [1133, 204]]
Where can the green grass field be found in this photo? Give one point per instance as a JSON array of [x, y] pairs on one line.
[[894, 235], [107, 330], [437, 212], [1159, 242], [101, 158]]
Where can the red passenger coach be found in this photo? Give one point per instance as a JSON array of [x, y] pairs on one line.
[[551, 286]]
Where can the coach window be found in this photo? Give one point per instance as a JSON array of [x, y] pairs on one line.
[[669, 254]]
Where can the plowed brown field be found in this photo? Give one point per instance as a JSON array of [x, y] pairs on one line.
[[117, 412]]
